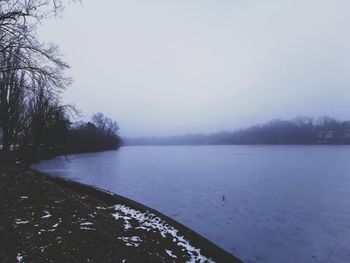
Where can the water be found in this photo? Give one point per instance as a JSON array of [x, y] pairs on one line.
[[261, 203]]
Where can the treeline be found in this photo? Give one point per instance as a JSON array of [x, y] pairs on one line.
[[33, 117], [300, 130], [98, 135]]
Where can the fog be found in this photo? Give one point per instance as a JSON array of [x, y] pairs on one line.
[[171, 67]]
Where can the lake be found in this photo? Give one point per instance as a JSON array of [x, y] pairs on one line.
[[261, 203]]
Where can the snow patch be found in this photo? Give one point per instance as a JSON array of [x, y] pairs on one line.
[[127, 225], [56, 225], [21, 222], [47, 215], [131, 241], [170, 253], [19, 258], [86, 228], [117, 216], [149, 221], [86, 224]]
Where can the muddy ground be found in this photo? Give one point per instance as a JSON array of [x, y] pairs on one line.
[[43, 220]]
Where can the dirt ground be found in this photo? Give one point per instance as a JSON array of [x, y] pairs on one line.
[[43, 221]]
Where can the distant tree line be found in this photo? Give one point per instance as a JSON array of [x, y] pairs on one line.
[[32, 79], [300, 130]]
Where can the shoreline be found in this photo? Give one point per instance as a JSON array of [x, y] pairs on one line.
[[171, 232]]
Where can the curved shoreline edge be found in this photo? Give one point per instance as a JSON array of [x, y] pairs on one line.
[[207, 247]]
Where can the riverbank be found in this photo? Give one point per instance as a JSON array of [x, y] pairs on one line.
[[49, 219]]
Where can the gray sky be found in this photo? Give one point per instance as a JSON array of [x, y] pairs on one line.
[[171, 67]]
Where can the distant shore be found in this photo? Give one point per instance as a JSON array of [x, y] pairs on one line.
[[49, 218]]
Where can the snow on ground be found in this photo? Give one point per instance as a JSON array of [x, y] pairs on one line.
[[149, 221], [47, 215], [131, 241], [19, 258], [21, 222], [170, 253], [86, 226]]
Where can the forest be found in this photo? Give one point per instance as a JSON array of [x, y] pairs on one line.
[[300, 130], [34, 120]]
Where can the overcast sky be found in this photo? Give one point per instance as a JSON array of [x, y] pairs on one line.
[[172, 67]]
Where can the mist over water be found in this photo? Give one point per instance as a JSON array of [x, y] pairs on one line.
[[194, 72], [163, 67], [261, 203], [237, 80]]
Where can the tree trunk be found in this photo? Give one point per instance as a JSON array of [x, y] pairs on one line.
[[5, 140]]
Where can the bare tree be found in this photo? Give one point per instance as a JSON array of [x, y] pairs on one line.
[[18, 23], [104, 124], [28, 67], [12, 103], [45, 112], [98, 119]]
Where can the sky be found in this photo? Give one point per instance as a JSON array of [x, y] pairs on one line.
[[162, 67]]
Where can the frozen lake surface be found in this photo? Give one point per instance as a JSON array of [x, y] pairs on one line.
[[261, 203]]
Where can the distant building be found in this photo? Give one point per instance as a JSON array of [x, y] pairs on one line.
[[326, 134], [339, 137]]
